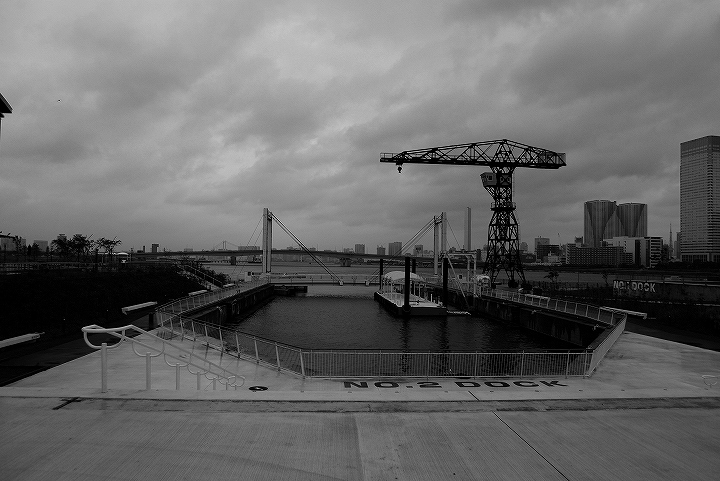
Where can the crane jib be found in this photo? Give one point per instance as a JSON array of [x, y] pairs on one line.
[[502, 156]]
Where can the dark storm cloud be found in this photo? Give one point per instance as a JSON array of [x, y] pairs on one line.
[[469, 10], [189, 118]]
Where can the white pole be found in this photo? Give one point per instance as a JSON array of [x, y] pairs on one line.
[[147, 371], [103, 367]]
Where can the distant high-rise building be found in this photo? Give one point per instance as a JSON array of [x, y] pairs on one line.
[[605, 219], [633, 219], [154, 248], [394, 248], [541, 241], [597, 216], [359, 248], [700, 199], [523, 247], [380, 250]]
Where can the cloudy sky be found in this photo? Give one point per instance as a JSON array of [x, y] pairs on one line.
[[177, 122]]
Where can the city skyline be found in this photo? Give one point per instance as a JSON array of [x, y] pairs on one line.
[[176, 124]]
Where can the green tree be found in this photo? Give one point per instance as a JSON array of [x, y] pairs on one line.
[[80, 245], [108, 245], [61, 246], [553, 275]]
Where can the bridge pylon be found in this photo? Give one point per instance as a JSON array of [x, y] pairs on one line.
[[439, 239], [267, 241]]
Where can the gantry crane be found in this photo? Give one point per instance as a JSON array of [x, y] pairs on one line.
[[502, 156]]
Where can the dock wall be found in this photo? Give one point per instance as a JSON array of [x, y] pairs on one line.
[[242, 303], [569, 328]]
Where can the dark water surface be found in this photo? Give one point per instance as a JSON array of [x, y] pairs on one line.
[[347, 317]]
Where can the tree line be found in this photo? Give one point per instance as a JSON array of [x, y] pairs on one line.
[[81, 246], [78, 246]]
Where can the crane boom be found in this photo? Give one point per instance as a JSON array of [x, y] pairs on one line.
[[502, 156], [492, 153]]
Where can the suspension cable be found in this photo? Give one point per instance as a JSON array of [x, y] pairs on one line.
[[418, 235], [232, 273], [302, 246]]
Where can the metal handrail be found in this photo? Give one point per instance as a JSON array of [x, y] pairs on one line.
[[329, 363], [319, 363], [179, 306], [204, 367], [602, 315]]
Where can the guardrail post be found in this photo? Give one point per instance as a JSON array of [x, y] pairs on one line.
[[103, 367], [198, 380], [522, 363], [177, 377], [257, 356], [302, 365], [147, 371], [567, 365], [277, 355]]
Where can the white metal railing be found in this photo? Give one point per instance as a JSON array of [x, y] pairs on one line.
[[379, 363], [598, 314], [599, 352], [185, 304], [352, 279], [366, 363], [181, 358]]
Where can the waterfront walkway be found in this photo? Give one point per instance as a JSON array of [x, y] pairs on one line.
[[651, 411]]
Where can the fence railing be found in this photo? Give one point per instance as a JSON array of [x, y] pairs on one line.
[[349, 279], [379, 363], [201, 299], [369, 363], [173, 355], [599, 352], [598, 314]]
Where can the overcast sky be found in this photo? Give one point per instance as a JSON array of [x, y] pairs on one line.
[[177, 122]]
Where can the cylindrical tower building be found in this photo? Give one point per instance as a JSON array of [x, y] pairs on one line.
[[598, 213], [633, 219]]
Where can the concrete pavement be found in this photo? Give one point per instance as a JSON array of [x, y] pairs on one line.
[[647, 413]]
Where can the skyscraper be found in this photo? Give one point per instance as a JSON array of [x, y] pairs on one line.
[[700, 199], [597, 216], [633, 219], [394, 248], [605, 219]]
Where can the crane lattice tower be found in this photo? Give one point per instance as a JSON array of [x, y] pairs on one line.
[[502, 156]]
